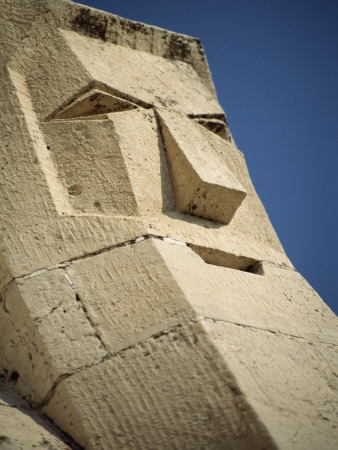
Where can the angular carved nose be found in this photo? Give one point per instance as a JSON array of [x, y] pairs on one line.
[[204, 185]]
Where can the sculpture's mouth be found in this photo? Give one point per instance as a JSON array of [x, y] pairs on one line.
[[209, 255], [224, 259]]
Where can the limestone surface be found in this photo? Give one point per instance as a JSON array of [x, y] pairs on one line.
[[145, 299], [24, 428]]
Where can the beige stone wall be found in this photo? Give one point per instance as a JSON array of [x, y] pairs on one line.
[[146, 301]]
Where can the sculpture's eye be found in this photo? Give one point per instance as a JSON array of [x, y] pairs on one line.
[[217, 124], [94, 103]]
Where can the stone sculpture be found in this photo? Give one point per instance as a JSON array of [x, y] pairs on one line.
[[146, 301]]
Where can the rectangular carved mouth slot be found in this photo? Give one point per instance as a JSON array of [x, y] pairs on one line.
[[229, 260]]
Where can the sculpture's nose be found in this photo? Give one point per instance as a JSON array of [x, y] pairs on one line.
[[204, 185]]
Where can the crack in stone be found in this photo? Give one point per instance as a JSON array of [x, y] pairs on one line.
[[52, 390], [133, 241], [266, 330], [38, 320], [66, 263], [3, 295], [50, 394], [84, 309], [189, 321], [63, 265], [109, 356]]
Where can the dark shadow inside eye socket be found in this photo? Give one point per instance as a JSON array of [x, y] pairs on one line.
[[216, 124], [94, 103]]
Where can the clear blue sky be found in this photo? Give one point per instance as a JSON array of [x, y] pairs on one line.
[[275, 67]]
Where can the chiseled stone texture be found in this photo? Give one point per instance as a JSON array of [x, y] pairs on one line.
[[145, 299], [291, 382]]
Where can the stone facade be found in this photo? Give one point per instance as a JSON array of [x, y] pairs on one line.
[[146, 301]]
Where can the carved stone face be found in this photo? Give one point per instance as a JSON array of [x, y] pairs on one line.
[[125, 135], [129, 140], [144, 153], [115, 149]]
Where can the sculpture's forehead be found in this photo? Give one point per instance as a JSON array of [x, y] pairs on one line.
[[153, 79]]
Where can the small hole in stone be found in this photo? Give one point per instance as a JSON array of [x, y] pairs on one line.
[[75, 189], [97, 204], [14, 376]]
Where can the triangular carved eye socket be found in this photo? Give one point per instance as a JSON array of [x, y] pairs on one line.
[[94, 103], [216, 126], [216, 123]]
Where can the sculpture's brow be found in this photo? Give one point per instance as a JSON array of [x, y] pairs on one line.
[[94, 92], [208, 116]]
